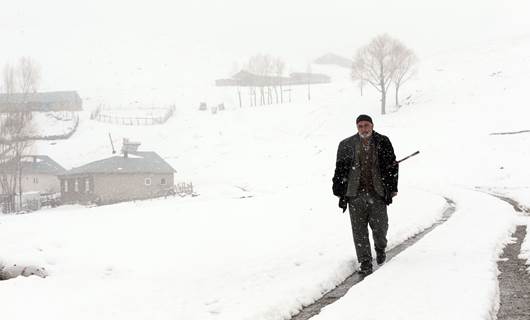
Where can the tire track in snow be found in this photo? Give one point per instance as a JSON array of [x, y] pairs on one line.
[[340, 290], [516, 205], [514, 280]]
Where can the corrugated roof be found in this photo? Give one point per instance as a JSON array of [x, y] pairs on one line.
[[137, 162]]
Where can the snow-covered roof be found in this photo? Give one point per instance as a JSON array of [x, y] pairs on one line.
[[37, 164], [135, 162]]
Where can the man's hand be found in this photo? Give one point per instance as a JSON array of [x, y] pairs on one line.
[[343, 203]]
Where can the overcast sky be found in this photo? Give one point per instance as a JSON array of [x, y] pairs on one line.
[[104, 44]]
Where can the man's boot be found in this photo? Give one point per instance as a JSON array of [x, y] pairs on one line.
[[381, 256], [366, 268]]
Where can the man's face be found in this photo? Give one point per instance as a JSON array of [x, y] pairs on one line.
[[365, 129]]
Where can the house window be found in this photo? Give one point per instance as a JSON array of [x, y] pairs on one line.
[[76, 185], [147, 181], [36, 180], [87, 185], [163, 181], [65, 185]]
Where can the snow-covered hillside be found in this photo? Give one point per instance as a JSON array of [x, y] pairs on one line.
[[221, 256]]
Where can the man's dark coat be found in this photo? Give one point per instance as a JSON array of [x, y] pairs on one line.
[[387, 166]]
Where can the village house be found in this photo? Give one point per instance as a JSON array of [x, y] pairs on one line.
[[39, 173], [39, 180], [132, 176]]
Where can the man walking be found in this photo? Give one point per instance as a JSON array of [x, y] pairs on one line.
[[365, 180]]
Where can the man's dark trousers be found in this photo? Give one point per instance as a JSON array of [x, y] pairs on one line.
[[367, 209]]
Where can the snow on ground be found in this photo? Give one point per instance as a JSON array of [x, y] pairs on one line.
[[519, 194], [137, 112], [215, 258], [52, 123], [449, 274], [263, 257]]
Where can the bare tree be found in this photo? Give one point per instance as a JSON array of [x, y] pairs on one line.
[[266, 70], [405, 67], [262, 65], [29, 75], [253, 66], [361, 84], [235, 69], [358, 75], [278, 69], [9, 83], [6, 155], [7, 145], [15, 125], [375, 64], [29, 78]]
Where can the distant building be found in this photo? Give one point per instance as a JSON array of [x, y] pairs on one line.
[[247, 79], [41, 102], [135, 175], [305, 78], [334, 59], [39, 173]]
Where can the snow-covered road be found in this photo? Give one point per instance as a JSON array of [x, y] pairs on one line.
[[449, 274], [339, 291]]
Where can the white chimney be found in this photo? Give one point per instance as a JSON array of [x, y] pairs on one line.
[[129, 146]]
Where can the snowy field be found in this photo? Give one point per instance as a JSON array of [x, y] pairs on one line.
[[135, 112], [221, 256], [53, 123], [191, 258]]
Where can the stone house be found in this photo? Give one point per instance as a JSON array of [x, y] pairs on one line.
[[132, 176]]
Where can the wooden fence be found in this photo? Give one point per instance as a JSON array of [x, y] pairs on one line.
[[184, 188], [100, 115]]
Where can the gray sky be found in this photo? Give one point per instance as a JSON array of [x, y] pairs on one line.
[[104, 44]]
